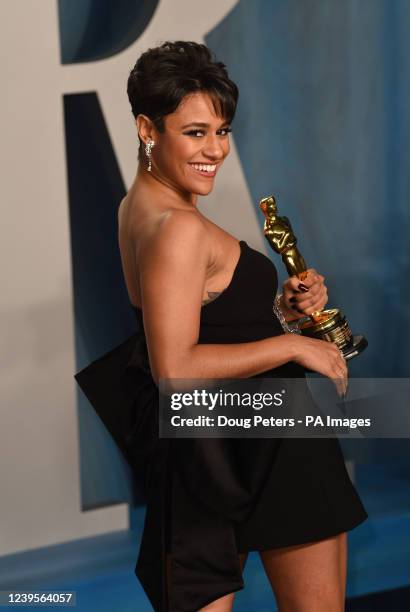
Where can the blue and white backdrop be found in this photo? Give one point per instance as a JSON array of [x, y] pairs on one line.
[[323, 123]]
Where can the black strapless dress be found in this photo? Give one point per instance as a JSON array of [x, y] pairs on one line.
[[209, 499]]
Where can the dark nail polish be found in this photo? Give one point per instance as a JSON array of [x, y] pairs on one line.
[[292, 299], [303, 287]]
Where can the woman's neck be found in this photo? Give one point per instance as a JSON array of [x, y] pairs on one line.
[[161, 189]]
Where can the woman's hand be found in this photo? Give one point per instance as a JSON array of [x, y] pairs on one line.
[[301, 298], [325, 358]]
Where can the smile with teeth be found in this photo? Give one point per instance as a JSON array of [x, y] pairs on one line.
[[204, 167]]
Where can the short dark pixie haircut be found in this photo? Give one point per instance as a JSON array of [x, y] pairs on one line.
[[164, 75]]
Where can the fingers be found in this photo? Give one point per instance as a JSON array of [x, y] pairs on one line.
[[308, 296], [340, 387], [312, 278], [292, 284], [340, 370], [309, 302], [338, 361], [328, 360]]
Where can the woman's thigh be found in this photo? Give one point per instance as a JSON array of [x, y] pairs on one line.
[[309, 577], [225, 603]]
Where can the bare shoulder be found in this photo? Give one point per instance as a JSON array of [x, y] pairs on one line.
[[175, 232], [172, 269], [184, 225]]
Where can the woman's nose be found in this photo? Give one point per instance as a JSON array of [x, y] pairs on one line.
[[213, 148]]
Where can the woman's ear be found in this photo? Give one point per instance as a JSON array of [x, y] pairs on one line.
[[145, 128]]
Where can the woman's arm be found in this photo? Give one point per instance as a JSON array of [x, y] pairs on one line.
[[172, 267]]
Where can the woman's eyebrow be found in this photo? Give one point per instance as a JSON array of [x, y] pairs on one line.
[[201, 124], [196, 123]]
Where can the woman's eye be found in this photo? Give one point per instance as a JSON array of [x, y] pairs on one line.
[[196, 133], [199, 133]]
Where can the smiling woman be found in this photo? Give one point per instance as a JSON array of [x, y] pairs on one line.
[[188, 153], [211, 501], [183, 104]]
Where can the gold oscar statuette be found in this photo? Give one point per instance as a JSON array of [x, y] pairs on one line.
[[329, 324]]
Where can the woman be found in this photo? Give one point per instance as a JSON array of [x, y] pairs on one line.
[[204, 303]]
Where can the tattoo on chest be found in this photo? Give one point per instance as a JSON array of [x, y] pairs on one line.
[[212, 296]]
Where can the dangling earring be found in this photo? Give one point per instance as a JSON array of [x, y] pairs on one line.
[[148, 154]]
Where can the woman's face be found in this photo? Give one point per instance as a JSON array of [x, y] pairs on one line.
[[193, 146]]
